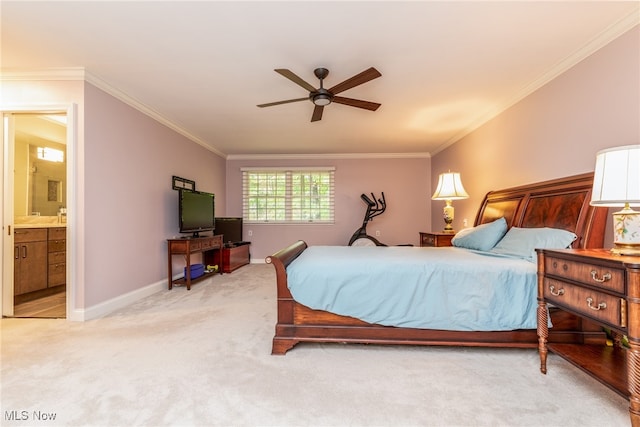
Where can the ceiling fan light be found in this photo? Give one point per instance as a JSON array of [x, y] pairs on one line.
[[322, 99]]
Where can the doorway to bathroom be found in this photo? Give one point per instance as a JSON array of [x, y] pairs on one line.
[[36, 205]]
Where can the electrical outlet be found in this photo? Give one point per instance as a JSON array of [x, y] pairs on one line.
[[377, 233], [250, 233], [465, 223]]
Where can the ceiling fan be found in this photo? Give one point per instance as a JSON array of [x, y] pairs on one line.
[[322, 97]]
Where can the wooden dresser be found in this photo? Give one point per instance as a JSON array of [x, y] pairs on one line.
[[604, 288]]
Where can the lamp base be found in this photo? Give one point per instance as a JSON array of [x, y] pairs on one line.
[[447, 214], [626, 232]]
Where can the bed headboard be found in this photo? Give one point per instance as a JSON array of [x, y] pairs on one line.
[[559, 203]]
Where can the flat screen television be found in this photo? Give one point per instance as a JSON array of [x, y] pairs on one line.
[[196, 212], [230, 228]]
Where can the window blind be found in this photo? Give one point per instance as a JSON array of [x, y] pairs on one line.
[[288, 196]]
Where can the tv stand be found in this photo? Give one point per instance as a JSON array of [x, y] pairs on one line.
[[208, 246], [232, 256]]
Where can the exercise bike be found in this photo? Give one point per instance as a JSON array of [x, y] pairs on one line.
[[375, 207]]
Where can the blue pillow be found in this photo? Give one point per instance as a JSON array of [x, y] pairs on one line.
[[522, 242], [482, 237]]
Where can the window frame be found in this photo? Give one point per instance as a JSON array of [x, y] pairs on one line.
[[289, 203]]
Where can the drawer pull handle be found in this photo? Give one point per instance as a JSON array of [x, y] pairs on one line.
[[605, 277], [552, 289], [600, 306]]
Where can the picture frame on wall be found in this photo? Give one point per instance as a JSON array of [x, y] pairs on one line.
[[183, 183]]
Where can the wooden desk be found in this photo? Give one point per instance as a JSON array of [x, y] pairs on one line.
[[604, 288], [206, 245]]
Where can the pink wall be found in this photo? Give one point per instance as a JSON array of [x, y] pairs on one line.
[[554, 132], [130, 206], [405, 182]]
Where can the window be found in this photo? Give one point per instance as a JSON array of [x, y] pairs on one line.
[[288, 196]]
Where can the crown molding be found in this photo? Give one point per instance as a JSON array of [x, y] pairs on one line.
[[101, 84], [81, 74], [608, 35], [328, 156]]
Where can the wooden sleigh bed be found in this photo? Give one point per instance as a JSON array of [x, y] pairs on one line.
[[561, 203]]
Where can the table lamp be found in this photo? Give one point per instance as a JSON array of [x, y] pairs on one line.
[[449, 188], [616, 183]]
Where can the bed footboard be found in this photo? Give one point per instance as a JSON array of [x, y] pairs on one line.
[[283, 339]]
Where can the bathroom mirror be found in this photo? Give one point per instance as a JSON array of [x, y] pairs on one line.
[[40, 165]]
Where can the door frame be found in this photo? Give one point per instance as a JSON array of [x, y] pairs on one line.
[[6, 213]]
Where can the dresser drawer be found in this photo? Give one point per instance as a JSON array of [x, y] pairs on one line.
[[596, 305], [428, 240], [57, 257], [59, 233], [57, 274], [590, 274], [210, 243], [21, 235], [195, 245], [435, 239], [57, 245]]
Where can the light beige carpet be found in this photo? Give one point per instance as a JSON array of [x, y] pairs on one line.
[[202, 357]]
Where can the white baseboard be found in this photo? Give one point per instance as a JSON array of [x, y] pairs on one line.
[[106, 307]]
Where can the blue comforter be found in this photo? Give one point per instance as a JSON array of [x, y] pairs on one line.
[[431, 288]]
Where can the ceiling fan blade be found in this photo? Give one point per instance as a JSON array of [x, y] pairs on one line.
[[356, 80], [373, 106], [294, 78], [270, 104], [317, 113]]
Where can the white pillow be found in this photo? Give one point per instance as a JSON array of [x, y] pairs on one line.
[[522, 242], [482, 237]]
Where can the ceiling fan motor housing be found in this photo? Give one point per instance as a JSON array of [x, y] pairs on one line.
[[321, 97]]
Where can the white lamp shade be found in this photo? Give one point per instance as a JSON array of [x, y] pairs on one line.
[[617, 177], [449, 187]]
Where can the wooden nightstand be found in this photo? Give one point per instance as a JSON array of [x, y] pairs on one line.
[[604, 288], [435, 239]]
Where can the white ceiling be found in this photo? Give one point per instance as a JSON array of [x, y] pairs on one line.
[[203, 66]]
